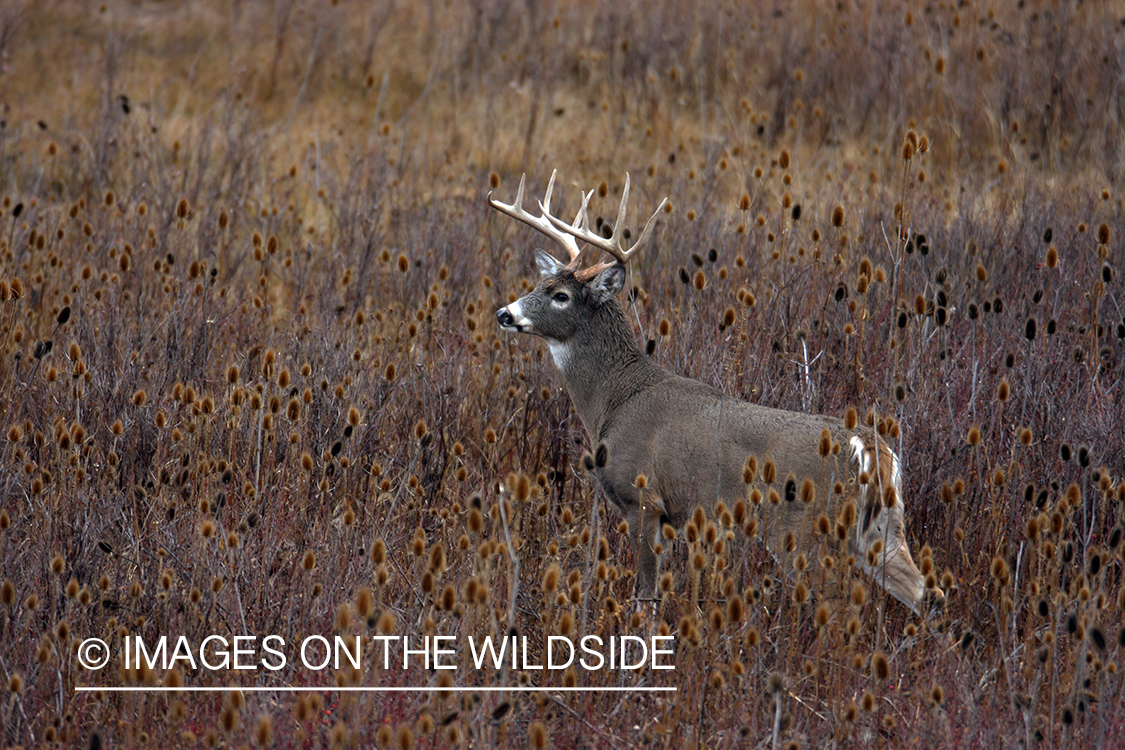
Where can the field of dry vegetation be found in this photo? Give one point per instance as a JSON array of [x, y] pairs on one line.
[[251, 381]]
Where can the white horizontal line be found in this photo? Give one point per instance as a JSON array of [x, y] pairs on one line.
[[330, 689]]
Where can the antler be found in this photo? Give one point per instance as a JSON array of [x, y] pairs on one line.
[[545, 222], [615, 245], [566, 234]]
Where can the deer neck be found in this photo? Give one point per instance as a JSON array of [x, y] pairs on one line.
[[603, 367]]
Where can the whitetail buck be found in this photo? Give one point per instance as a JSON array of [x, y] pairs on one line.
[[692, 443]]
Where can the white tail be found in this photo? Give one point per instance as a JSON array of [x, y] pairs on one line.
[[809, 476]]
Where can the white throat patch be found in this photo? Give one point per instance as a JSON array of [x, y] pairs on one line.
[[560, 352]]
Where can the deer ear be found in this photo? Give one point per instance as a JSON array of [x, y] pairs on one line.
[[609, 282], [548, 264]]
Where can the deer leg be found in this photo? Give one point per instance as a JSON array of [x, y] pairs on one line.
[[644, 525]]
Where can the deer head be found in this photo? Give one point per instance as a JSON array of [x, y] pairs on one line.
[[568, 294]]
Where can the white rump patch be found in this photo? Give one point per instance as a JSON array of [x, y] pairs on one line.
[[896, 474], [865, 462], [859, 454]]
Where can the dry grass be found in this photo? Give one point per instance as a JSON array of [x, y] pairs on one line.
[[250, 380]]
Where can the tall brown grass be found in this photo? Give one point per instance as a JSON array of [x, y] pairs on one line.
[[250, 380]]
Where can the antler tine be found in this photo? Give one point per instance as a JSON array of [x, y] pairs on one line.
[[582, 216], [544, 223], [545, 204], [618, 232], [615, 245], [647, 231], [519, 193], [579, 223]]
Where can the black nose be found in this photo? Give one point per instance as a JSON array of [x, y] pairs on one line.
[[504, 318]]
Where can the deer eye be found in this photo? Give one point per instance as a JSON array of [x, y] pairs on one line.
[[561, 297]]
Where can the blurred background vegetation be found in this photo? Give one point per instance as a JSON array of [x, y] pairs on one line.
[[250, 379]]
